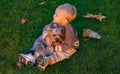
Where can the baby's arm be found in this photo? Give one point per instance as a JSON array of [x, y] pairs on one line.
[[70, 39]]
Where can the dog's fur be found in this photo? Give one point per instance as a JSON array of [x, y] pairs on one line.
[[56, 34]]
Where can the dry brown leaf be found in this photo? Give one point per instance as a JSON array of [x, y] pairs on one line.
[[90, 15], [42, 3], [98, 17], [85, 39], [24, 20], [91, 34]]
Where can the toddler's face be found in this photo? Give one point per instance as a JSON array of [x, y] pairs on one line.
[[59, 17]]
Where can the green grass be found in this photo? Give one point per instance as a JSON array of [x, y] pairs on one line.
[[93, 57]]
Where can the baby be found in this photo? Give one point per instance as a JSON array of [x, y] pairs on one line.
[[58, 41]]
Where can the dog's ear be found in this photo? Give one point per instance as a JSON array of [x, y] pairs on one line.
[[49, 28], [45, 28]]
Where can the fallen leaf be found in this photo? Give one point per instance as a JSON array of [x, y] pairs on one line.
[[85, 39], [24, 20], [91, 34], [98, 17], [90, 15], [42, 3]]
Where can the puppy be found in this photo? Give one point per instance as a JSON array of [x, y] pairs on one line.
[[56, 34]]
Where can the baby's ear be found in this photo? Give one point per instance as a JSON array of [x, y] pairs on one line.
[[66, 20]]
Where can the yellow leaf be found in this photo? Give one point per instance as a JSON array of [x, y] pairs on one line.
[[98, 17], [24, 20], [91, 34]]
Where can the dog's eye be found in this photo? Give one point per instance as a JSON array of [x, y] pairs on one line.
[[53, 26], [59, 26]]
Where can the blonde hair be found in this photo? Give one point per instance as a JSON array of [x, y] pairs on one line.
[[70, 10]]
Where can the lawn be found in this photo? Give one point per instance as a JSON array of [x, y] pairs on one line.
[[92, 57]]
